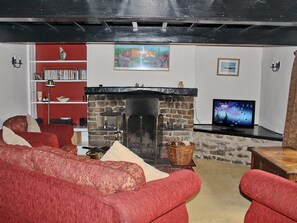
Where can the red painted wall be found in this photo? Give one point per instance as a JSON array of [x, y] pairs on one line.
[[75, 90]]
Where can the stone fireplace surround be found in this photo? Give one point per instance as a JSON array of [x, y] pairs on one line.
[[175, 120]]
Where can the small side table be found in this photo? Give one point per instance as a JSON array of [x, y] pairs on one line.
[[281, 161]]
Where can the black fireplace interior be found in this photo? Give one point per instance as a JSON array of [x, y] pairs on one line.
[[142, 134]]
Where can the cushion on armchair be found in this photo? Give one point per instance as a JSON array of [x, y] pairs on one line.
[[21, 123], [17, 123], [32, 124], [11, 138]]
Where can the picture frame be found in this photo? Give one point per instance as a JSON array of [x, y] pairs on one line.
[[228, 67], [141, 57]]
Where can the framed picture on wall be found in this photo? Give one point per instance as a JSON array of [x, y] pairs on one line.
[[228, 67], [141, 57]]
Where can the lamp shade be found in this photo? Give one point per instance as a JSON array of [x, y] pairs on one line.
[[50, 83]]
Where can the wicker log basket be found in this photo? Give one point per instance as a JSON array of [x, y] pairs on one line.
[[180, 153]]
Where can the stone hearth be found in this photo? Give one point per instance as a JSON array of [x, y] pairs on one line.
[[107, 118]]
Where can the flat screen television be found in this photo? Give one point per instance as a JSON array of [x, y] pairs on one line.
[[233, 113]]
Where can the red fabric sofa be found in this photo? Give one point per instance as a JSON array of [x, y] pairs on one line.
[[274, 199], [54, 135], [43, 184]]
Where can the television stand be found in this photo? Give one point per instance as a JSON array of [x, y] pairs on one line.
[[258, 132], [231, 129]]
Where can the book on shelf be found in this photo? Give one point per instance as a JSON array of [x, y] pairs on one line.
[[73, 74]]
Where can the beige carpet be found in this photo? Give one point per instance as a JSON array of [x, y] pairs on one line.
[[219, 200]]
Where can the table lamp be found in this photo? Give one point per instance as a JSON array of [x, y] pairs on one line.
[[49, 84]]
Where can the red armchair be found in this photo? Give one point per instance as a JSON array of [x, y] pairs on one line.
[[54, 135], [273, 198]]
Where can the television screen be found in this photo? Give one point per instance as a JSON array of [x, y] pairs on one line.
[[233, 113]]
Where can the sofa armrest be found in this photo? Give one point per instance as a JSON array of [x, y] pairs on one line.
[[64, 132], [275, 192], [40, 138], [159, 197]]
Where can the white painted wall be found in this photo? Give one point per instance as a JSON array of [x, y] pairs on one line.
[[101, 69], [196, 66], [275, 87], [246, 86], [13, 82]]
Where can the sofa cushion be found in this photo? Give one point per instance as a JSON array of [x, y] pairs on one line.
[[13, 139], [32, 124], [119, 152], [106, 177], [17, 123], [17, 155]]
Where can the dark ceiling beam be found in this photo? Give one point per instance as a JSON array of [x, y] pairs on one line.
[[253, 12], [255, 22], [153, 35]]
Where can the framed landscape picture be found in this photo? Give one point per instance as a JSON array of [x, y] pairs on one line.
[[228, 67], [141, 57]]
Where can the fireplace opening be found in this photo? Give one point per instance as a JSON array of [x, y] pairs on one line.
[[142, 134]]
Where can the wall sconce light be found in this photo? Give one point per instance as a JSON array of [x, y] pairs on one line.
[[275, 66], [16, 63], [49, 84]]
